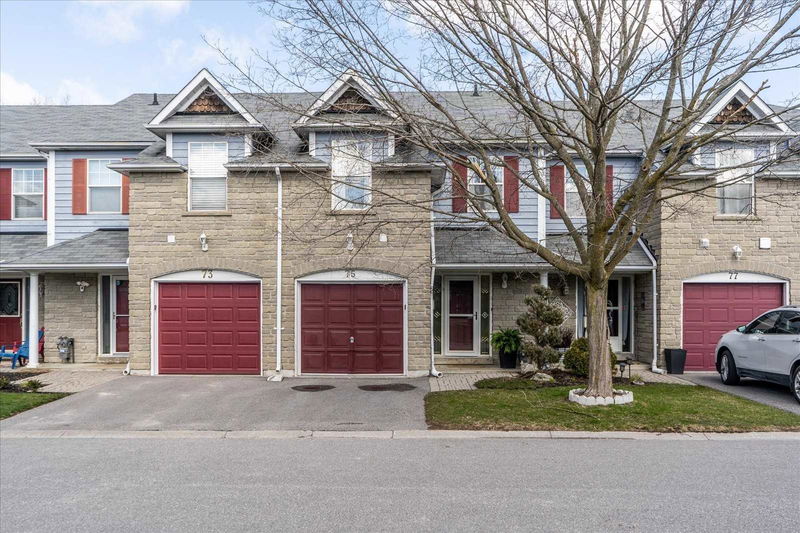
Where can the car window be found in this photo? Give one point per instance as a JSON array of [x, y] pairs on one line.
[[789, 323], [764, 324]]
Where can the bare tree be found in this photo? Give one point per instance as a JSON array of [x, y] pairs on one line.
[[570, 80]]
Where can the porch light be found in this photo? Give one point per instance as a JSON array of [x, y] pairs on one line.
[[737, 252], [505, 280], [349, 242], [203, 242], [82, 285]]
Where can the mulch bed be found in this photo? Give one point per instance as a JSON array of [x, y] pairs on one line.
[[19, 378], [561, 378]]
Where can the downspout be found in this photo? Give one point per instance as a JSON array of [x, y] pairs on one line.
[[435, 373], [654, 365], [278, 280]]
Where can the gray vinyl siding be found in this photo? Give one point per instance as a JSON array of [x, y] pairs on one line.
[[7, 226], [526, 219], [324, 140], [625, 171], [180, 144], [69, 226], [706, 156]]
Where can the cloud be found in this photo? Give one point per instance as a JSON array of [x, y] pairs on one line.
[[66, 91], [111, 21], [13, 92]]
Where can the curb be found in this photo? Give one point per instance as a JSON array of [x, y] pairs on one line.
[[397, 434]]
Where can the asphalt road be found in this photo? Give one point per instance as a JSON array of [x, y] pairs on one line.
[[759, 391], [397, 485]]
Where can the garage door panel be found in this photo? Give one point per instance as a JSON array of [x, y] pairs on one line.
[[712, 309], [205, 328], [371, 313]]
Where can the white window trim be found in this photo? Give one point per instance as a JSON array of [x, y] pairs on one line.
[[189, 176], [336, 200], [722, 177], [89, 188], [14, 195], [499, 165]]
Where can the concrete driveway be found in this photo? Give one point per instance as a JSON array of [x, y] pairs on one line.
[[231, 403], [759, 391]]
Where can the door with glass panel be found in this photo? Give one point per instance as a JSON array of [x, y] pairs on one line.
[[462, 302]]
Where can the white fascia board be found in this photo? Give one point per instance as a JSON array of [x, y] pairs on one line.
[[10, 156], [71, 267], [647, 252], [493, 266], [197, 84], [746, 93], [80, 145], [245, 166], [125, 169], [167, 128], [348, 79]]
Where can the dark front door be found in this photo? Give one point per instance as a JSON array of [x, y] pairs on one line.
[[121, 316], [351, 328], [461, 315], [209, 328]]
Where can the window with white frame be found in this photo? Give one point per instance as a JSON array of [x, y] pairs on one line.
[[28, 191], [572, 199], [478, 189], [735, 181], [105, 187], [208, 177], [351, 174]]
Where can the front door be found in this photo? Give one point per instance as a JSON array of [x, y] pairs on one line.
[[121, 316], [10, 313], [614, 314], [462, 303]]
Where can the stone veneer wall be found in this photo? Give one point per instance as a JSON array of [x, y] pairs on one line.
[[69, 312], [680, 257], [243, 239]]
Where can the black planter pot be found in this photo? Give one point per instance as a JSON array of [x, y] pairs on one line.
[[508, 360], [676, 360]]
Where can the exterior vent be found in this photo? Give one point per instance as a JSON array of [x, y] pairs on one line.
[[155, 99]]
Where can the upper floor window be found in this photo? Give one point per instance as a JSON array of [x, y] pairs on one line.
[[208, 177], [28, 191], [351, 174], [105, 187], [477, 187], [572, 199], [735, 182]]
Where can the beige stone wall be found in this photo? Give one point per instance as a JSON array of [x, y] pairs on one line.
[[71, 313], [244, 240], [688, 220], [643, 317]]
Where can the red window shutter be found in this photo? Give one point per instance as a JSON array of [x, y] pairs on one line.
[[556, 188], [126, 191], [78, 186], [609, 188], [5, 194], [511, 184], [44, 197], [459, 185]]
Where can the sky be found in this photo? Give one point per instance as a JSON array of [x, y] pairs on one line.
[[98, 52]]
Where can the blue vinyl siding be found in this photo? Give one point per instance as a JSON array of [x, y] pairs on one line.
[[7, 226], [69, 226], [180, 144], [526, 219], [625, 171], [323, 141]]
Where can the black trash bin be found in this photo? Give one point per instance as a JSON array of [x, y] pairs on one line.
[[676, 360]]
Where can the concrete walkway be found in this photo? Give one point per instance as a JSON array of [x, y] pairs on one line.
[[758, 391]]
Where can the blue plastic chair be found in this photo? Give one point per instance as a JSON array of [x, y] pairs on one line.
[[22, 352]]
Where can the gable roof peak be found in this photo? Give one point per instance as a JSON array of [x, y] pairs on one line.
[[742, 102]]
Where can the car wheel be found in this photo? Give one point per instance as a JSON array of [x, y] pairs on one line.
[[795, 383], [727, 368]]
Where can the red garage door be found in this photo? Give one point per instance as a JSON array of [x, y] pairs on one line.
[[209, 328], [711, 309], [351, 328]]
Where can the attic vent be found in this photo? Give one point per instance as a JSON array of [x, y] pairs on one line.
[[208, 102], [734, 113], [155, 99], [351, 101]]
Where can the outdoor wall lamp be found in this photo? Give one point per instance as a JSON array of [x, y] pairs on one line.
[[349, 242], [505, 280], [203, 242], [82, 285], [737, 252]]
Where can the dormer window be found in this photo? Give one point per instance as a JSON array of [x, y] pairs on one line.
[[735, 184], [351, 174], [208, 178]]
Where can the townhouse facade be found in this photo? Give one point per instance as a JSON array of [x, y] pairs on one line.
[[205, 232]]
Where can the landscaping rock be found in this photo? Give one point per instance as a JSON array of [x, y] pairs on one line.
[[541, 377], [620, 397]]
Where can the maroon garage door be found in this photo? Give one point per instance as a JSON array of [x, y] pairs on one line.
[[711, 309], [351, 328], [209, 328]]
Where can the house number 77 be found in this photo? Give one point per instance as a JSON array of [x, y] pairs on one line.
[[734, 274], [208, 273]]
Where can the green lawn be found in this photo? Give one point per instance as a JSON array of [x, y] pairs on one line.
[[12, 403], [656, 407]]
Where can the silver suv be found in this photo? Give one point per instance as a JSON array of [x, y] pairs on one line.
[[768, 348]]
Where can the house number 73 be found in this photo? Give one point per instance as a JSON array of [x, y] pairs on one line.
[[208, 274]]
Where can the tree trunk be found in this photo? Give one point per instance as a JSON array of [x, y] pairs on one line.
[[600, 383]]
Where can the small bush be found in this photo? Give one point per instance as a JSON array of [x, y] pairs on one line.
[[32, 385], [576, 358], [4, 383]]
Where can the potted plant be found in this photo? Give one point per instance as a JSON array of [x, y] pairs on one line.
[[507, 342]]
